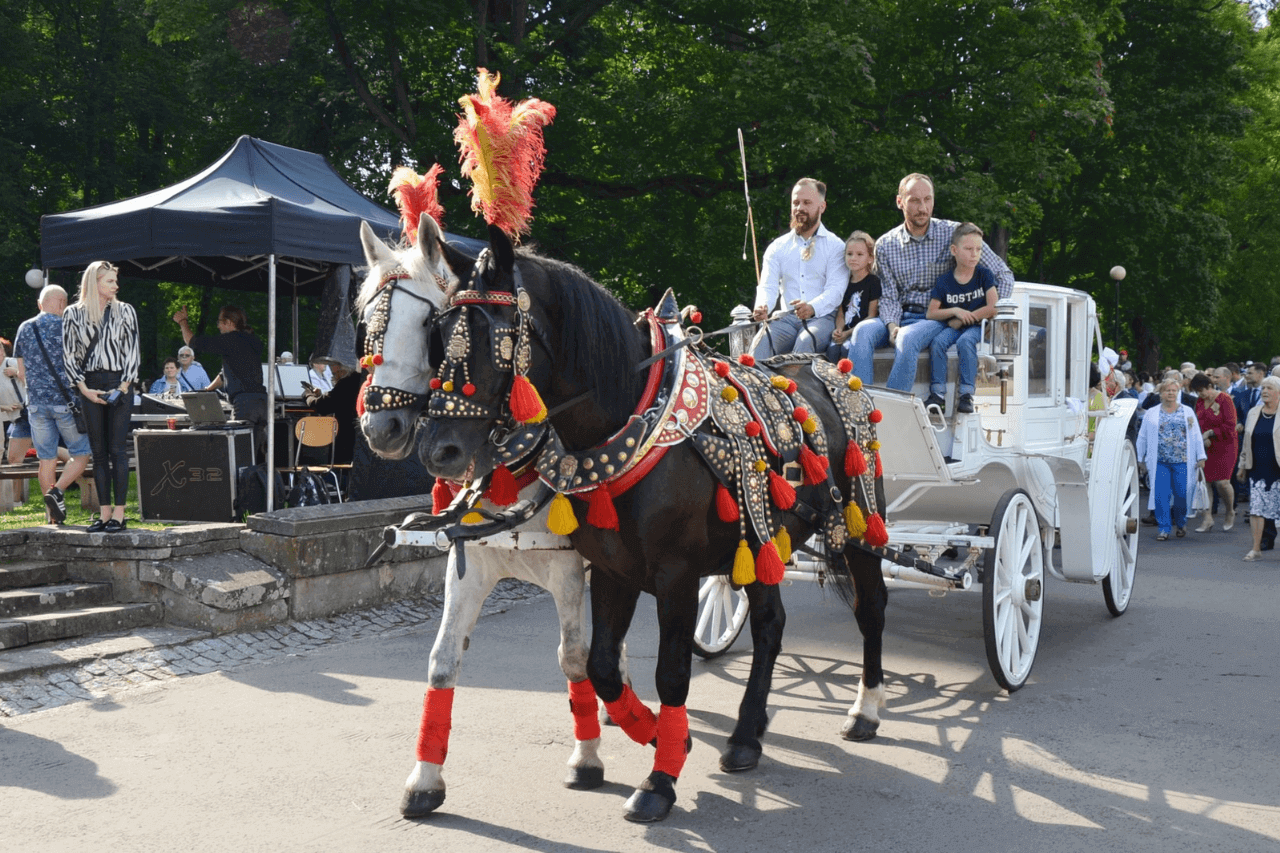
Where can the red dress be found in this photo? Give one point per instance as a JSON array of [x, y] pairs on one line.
[[1222, 449]]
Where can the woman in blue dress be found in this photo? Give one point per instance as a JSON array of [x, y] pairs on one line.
[[1171, 447], [1260, 459]]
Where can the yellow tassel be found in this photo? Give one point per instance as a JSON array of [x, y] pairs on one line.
[[783, 543], [728, 393], [855, 384], [853, 520], [778, 382], [561, 521], [472, 518], [810, 425], [744, 566]]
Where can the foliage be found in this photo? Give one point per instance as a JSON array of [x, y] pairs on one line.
[[1083, 133]]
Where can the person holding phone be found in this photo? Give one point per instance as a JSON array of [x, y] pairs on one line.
[[101, 354]]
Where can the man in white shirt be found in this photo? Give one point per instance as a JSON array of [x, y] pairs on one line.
[[805, 268]]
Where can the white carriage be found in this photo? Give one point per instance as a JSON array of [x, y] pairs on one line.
[[987, 496]]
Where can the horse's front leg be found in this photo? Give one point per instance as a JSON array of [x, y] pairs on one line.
[[872, 597], [768, 619], [425, 788], [677, 614], [563, 574]]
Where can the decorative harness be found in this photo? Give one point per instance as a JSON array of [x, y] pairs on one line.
[[379, 398]]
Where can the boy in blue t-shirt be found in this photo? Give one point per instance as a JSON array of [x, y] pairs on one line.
[[961, 298]]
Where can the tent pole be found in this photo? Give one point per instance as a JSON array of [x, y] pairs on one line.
[[270, 461]]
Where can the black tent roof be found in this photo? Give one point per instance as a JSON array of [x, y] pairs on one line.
[[219, 226]]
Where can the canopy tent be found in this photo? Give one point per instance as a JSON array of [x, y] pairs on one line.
[[221, 226], [260, 211]]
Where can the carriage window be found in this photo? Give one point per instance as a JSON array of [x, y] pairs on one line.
[[1038, 351]]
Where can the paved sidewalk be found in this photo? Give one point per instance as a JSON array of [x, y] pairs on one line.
[[108, 675]]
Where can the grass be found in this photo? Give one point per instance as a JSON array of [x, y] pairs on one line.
[[31, 513]]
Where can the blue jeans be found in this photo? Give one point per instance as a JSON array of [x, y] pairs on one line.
[[1165, 473], [914, 334], [789, 333], [867, 337], [50, 422], [965, 339]]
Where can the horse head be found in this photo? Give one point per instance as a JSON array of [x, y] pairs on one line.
[[400, 299]]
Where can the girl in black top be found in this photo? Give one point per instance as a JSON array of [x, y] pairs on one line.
[[100, 349], [862, 296]]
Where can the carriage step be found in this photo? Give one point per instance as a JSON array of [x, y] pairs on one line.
[[78, 622]]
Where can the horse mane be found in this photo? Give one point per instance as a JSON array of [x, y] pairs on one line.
[[596, 332]]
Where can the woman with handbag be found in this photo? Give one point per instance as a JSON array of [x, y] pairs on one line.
[[1171, 448], [100, 348], [1216, 413], [1260, 460]]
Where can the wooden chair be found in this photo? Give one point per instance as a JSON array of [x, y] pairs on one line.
[[318, 431]]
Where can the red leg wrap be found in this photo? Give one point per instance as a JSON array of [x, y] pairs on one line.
[[673, 735], [632, 716], [582, 702], [437, 718]]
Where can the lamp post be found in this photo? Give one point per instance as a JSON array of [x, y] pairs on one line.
[[1117, 273]]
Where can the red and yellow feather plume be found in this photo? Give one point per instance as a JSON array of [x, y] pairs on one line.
[[502, 153], [415, 195]]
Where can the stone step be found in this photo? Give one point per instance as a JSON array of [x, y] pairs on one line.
[[23, 573], [51, 597], [42, 627]]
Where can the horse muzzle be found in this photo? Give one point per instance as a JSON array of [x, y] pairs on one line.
[[390, 432]]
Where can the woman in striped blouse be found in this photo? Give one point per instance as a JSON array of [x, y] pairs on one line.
[[100, 347]]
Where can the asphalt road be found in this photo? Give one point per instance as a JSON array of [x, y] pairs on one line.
[[1153, 732]]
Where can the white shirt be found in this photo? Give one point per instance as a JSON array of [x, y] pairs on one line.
[[819, 281]]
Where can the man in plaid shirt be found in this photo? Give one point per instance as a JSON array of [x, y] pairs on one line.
[[910, 258]]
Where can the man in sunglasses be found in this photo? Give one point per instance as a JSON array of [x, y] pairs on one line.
[[191, 374]]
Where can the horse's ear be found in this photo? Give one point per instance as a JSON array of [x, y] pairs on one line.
[[503, 252], [460, 263], [375, 251], [429, 239]]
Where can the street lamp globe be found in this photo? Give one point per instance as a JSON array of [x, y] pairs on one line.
[[35, 279], [1117, 272]]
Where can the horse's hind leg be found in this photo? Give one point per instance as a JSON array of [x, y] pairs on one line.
[[872, 596], [768, 618], [425, 788]]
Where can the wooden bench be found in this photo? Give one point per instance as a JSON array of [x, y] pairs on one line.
[[14, 480]]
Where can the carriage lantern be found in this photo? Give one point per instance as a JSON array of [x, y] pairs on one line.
[[1006, 332], [743, 331]]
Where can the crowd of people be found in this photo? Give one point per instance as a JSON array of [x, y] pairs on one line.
[[70, 376]]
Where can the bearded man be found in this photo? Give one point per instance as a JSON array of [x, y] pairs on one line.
[[803, 268]]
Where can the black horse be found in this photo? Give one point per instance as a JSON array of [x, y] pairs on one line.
[[581, 349]]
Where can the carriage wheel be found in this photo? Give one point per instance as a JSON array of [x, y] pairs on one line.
[[1117, 586], [722, 611], [1013, 590]]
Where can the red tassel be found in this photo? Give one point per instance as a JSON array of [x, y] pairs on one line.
[[600, 510], [502, 490], [855, 464], [813, 465], [769, 567], [876, 535], [441, 497], [726, 506], [360, 396], [784, 496], [526, 405], [879, 470]]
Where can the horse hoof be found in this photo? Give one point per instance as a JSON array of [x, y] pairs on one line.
[[859, 728], [738, 757], [584, 778], [420, 803], [653, 800]]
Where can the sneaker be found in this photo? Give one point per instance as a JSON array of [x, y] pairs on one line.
[[935, 400], [964, 405], [57, 505]]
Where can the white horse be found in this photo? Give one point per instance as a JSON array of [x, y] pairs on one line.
[[402, 289]]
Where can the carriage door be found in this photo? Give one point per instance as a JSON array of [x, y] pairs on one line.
[[1046, 370]]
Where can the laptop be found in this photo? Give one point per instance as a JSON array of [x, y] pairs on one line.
[[204, 409]]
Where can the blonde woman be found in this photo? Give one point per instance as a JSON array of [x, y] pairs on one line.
[[1260, 460], [100, 349], [1171, 447]]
